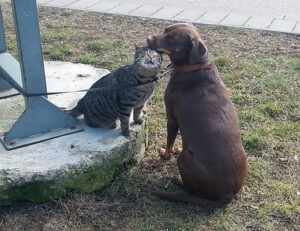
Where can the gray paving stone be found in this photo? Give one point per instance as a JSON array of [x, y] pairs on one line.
[[82, 4], [281, 21], [59, 3], [282, 25], [145, 10], [42, 1], [292, 16], [258, 22], [167, 13], [190, 15], [104, 6], [125, 8], [212, 17], [235, 19]]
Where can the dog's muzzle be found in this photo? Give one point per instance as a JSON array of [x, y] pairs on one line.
[[151, 41]]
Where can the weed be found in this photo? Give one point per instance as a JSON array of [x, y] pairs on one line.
[[88, 59], [60, 53], [222, 62], [271, 110], [252, 142], [52, 36], [104, 45], [294, 64]]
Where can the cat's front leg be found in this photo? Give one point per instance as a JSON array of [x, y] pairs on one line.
[[137, 115], [124, 118]]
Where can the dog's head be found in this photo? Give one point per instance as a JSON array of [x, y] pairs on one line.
[[182, 43]]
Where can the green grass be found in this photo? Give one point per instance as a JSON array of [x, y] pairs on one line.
[[252, 142], [295, 64], [271, 110], [222, 62], [110, 53], [60, 53], [53, 36], [87, 59], [105, 45]]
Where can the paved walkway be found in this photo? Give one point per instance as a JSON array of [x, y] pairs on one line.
[[275, 15]]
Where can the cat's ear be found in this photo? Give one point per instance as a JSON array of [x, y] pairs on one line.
[[137, 47]]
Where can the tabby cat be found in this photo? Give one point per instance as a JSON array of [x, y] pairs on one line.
[[103, 108]]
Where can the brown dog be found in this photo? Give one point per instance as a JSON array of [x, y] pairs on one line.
[[213, 163]]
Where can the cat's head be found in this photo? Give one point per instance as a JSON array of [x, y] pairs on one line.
[[147, 61]]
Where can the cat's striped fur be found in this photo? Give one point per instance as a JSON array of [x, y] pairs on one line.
[[103, 108]]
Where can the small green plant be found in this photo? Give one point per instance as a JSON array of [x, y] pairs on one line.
[[94, 46], [104, 45], [60, 53], [222, 62], [251, 142], [295, 64], [271, 110], [87, 59], [54, 36]]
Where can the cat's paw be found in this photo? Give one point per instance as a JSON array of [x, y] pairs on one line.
[[138, 121], [125, 133]]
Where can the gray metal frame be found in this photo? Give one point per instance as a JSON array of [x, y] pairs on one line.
[[5, 88], [41, 120]]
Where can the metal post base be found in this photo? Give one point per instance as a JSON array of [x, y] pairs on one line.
[[40, 121]]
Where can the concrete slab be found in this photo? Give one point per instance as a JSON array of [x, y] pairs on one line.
[[84, 161], [59, 3], [167, 13], [104, 6], [82, 4], [190, 15], [258, 22], [235, 20], [283, 25], [125, 8], [42, 1], [259, 15], [145, 11], [212, 17]]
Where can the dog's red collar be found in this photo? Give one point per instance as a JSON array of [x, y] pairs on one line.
[[185, 68]]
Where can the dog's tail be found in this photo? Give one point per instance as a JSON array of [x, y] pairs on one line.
[[183, 196]]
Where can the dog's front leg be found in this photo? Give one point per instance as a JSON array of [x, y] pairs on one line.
[[172, 129]]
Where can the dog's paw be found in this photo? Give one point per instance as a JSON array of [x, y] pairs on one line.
[[164, 154]]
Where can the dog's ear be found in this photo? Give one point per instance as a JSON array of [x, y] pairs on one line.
[[198, 51]]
